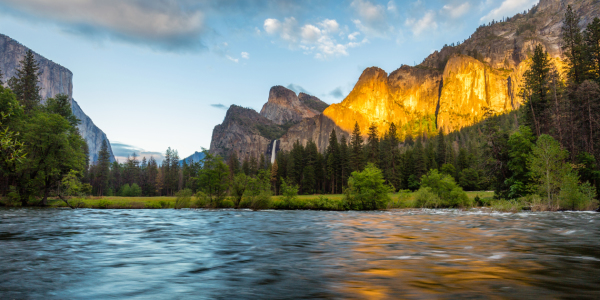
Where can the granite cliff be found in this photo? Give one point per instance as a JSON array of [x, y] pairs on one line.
[[452, 88], [285, 107], [54, 79]]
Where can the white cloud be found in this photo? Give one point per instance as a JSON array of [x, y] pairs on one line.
[[318, 39], [372, 18], [245, 55], [163, 24], [424, 24], [235, 60], [272, 26], [310, 33], [457, 11], [508, 8], [391, 6], [353, 35], [331, 26]]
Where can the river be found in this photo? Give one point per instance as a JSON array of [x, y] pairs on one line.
[[240, 254]]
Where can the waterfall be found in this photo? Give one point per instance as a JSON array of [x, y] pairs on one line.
[[273, 152]]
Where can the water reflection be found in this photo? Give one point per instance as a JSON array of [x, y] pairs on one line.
[[297, 254]]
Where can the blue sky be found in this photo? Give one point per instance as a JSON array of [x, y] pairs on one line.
[[159, 74]]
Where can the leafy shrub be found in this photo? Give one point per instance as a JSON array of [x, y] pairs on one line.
[[324, 203], [507, 205], [261, 201], [227, 204], [444, 186], [574, 196], [290, 193], [426, 198], [153, 205], [367, 190], [104, 203], [402, 201], [183, 199], [135, 190], [163, 204], [202, 200]]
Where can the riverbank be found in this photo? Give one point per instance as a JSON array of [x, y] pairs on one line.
[[310, 202]]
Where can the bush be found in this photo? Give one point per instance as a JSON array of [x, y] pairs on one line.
[[507, 205], [183, 199], [574, 196], [104, 203], [261, 201], [367, 190], [163, 204], [153, 205], [426, 198], [290, 194], [444, 186], [227, 204], [135, 190]]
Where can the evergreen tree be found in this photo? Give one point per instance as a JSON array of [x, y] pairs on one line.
[[233, 163], [536, 90], [441, 149], [592, 41], [345, 168], [25, 83], [246, 166], [333, 162], [356, 145], [373, 145], [103, 168], [573, 47]]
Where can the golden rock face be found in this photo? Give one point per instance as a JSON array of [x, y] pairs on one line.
[[420, 101]]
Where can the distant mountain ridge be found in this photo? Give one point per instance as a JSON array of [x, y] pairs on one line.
[[54, 79]]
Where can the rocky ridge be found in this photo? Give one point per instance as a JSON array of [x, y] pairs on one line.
[[54, 79], [452, 88], [284, 106]]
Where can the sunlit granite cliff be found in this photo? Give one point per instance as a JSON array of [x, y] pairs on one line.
[[452, 88], [54, 79]]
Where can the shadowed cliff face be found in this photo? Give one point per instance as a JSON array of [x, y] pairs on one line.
[[54, 79], [284, 107], [242, 131]]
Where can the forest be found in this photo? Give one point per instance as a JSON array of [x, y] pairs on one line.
[[547, 148]]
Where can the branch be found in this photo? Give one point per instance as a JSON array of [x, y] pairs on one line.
[[66, 201]]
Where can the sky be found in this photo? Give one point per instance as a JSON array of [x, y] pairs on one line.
[[154, 74]]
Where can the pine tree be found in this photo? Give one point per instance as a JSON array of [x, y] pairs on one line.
[[592, 41], [536, 90], [373, 145], [345, 168], [356, 145], [274, 170], [25, 83], [234, 164], [103, 168], [333, 153], [573, 48], [441, 149]]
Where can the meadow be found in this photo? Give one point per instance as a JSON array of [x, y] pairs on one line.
[[316, 202]]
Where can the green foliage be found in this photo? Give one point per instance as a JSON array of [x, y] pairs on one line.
[[469, 179], [289, 192], [213, 179], [448, 169], [25, 84], [103, 204], [163, 204], [547, 166], [153, 205], [238, 188], [536, 90], [503, 205], [227, 204], [427, 198], [520, 146], [367, 190], [258, 191], [444, 187], [183, 199], [574, 196]]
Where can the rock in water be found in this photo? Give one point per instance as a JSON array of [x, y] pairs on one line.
[[54, 79]]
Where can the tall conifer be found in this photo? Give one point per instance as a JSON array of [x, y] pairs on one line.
[[356, 145], [25, 83]]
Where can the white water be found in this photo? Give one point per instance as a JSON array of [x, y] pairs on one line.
[[273, 153]]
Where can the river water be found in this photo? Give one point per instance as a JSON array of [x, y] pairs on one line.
[[225, 254]]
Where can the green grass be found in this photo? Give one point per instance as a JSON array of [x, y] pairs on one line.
[[317, 202]]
